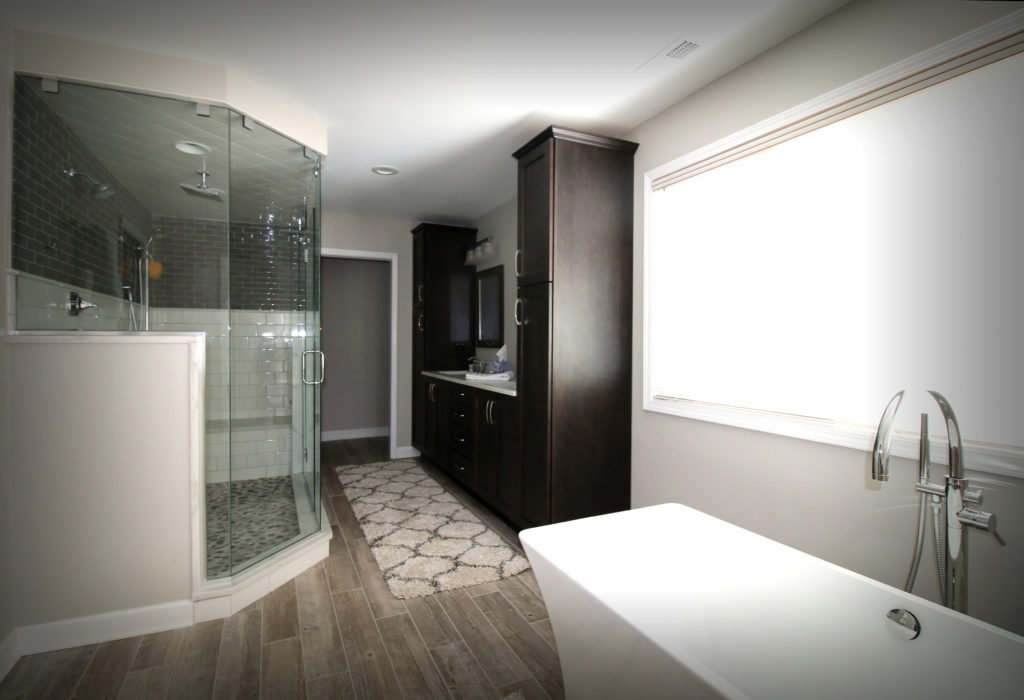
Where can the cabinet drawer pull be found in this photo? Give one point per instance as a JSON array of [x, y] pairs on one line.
[[460, 414]]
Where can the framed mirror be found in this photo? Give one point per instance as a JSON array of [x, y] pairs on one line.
[[490, 321]]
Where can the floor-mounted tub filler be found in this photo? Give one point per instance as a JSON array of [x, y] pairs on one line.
[[639, 610]]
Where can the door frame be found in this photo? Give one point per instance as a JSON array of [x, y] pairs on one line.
[[392, 260]]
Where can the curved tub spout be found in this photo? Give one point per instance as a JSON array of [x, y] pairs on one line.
[[883, 438], [956, 448]]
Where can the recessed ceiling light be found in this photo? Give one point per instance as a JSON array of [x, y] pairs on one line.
[[384, 170], [193, 148]]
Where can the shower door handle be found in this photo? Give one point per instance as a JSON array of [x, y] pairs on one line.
[[321, 379]]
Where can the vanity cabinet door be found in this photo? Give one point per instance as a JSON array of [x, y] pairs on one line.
[[498, 473]]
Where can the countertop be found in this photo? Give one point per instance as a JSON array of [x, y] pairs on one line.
[[459, 377]]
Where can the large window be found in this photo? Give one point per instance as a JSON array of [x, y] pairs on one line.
[[794, 283]]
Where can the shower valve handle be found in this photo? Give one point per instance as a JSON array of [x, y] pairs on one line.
[[76, 304]]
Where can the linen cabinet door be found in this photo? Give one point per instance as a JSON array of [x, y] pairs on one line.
[[533, 309]]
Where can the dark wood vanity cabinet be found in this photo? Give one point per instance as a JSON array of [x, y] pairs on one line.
[[498, 475], [574, 312], [442, 320]]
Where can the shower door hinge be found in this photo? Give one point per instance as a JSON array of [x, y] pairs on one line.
[[305, 454]]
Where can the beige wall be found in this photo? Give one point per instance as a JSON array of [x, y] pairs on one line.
[[7, 602], [346, 231], [100, 441], [814, 497], [356, 320]]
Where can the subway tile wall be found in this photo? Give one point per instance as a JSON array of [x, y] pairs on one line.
[[58, 230]]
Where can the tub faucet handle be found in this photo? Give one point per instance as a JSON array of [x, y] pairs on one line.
[[980, 520]]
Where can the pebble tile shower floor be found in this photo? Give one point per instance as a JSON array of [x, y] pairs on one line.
[[333, 632], [262, 517]]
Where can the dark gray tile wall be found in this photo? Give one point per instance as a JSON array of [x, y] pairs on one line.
[[61, 233], [58, 230]]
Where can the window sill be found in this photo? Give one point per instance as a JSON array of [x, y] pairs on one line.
[[981, 457]]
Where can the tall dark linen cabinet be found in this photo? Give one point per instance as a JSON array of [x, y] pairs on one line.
[[574, 267]]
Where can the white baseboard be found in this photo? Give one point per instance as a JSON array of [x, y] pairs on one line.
[[406, 452], [329, 435], [9, 653], [104, 627]]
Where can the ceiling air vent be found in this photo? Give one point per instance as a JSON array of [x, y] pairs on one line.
[[681, 49]]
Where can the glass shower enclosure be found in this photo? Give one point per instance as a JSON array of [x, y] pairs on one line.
[[137, 213]]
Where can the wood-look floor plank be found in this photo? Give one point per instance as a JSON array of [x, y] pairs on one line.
[[322, 652], [462, 673], [341, 570], [371, 672], [547, 633], [382, 602], [528, 689], [26, 672], [535, 653], [151, 683], [346, 518], [281, 673], [529, 579], [197, 663], [158, 649], [280, 614], [238, 668], [432, 621], [414, 667], [523, 598], [497, 659], [105, 673], [61, 675], [331, 688]]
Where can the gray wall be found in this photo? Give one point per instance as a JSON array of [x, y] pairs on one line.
[[346, 231], [356, 317], [7, 602], [812, 496]]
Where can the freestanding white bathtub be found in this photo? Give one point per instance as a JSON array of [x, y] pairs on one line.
[[668, 602]]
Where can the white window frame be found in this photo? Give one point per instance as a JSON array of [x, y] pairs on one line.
[[979, 47]]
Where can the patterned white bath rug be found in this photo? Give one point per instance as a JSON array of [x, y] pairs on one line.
[[423, 539]]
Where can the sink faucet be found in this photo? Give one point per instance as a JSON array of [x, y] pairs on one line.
[[957, 496]]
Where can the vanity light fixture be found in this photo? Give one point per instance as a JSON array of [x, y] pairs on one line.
[[384, 170], [483, 251]]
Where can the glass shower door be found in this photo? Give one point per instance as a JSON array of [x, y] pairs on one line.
[[312, 355]]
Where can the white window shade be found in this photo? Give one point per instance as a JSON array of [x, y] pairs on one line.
[[797, 288]]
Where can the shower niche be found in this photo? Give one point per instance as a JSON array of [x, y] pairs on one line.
[[134, 213]]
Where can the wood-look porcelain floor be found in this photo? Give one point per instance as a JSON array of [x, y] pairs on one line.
[[333, 632]]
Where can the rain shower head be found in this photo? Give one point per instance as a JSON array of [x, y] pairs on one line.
[[201, 189], [97, 190]]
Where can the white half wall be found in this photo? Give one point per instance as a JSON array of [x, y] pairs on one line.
[[101, 444]]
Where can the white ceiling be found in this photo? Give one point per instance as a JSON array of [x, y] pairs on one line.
[[444, 90]]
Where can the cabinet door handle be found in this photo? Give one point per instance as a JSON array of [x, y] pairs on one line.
[[432, 392], [419, 293], [490, 412], [515, 264], [517, 313], [419, 322]]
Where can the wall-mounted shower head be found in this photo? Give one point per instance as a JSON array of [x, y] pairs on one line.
[[201, 189], [97, 190]]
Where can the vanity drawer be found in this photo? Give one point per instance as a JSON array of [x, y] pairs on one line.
[[460, 438], [461, 414], [459, 394]]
